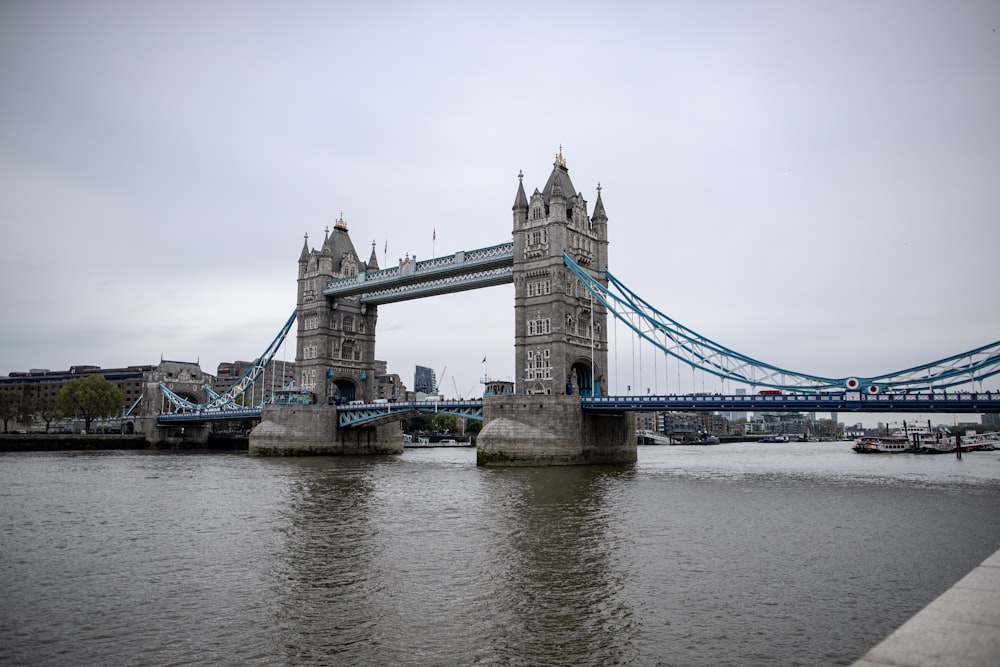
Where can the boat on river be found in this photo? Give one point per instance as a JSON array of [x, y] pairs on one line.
[[981, 441], [971, 442], [926, 441], [886, 444]]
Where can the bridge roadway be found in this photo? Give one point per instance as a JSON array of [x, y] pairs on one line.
[[371, 414], [824, 402]]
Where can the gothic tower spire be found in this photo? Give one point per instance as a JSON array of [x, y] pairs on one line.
[[560, 341]]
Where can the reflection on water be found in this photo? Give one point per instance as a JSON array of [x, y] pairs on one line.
[[557, 581], [726, 555]]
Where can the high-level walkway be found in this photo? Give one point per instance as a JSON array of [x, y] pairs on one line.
[[461, 271], [961, 628]]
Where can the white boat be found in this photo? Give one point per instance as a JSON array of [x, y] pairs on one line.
[[981, 441], [886, 444], [924, 440], [970, 442]]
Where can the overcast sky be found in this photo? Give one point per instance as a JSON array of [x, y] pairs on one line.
[[813, 184]]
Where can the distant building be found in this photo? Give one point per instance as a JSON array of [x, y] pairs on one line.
[[184, 378], [645, 421], [424, 380], [41, 383], [275, 377], [390, 387], [683, 424], [140, 385], [779, 423]]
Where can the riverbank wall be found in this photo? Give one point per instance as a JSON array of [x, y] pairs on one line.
[[38, 442]]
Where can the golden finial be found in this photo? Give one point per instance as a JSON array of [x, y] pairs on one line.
[[340, 224], [559, 158]]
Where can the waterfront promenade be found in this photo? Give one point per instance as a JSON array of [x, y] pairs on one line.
[[961, 628]]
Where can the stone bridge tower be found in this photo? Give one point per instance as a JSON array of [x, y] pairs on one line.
[[560, 339], [335, 355], [335, 360]]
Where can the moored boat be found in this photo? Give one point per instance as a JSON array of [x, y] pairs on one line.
[[981, 442], [920, 440], [887, 444], [970, 442]]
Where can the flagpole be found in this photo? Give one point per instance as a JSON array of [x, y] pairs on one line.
[[434, 236]]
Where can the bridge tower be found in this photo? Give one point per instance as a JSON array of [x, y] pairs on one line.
[[335, 353], [560, 338], [335, 360]]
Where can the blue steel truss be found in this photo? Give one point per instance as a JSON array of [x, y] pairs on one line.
[[462, 271], [373, 414], [434, 287], [697, 351], [227, 400], [201, 417]]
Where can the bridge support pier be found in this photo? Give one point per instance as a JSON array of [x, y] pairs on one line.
[[311, 430], [527, 430], [175, 435]]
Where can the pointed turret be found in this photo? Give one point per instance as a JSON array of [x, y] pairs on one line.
[[304, 256], [599, 217], [325, 248], [520, 207], [520, 200], [373, 260]]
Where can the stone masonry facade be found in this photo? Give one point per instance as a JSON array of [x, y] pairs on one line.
[[335, 356], [560, 338]]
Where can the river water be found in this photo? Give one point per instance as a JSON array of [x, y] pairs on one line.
[[736, 554]]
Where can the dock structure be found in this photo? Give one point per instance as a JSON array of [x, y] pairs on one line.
[[961, 628]]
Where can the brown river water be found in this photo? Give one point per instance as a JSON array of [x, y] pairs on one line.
[[736, 554]]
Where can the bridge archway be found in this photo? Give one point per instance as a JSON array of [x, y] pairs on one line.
[[581, 375], [344, 390]]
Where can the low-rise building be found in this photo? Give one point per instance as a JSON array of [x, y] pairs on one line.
[[44, 384]]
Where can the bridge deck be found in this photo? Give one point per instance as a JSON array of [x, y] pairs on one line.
[[370, 413], [828, 402]]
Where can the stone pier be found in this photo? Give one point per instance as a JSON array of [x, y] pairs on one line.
[[524, 430], [311, 430]]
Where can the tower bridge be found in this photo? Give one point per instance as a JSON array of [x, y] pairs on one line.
[[560, 337], [560, 412]]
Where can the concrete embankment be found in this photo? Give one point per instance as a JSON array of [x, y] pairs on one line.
[[960, 628], [32, 442]]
